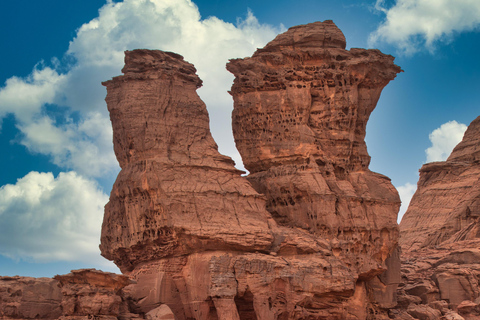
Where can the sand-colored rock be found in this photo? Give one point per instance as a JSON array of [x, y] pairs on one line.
[[301, 105], [194, 235], [78, 295], [29, 298], [175, 194], [446, 205]]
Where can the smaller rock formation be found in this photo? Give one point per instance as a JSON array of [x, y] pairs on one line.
[[446, 205], [77, 295], [440, 283], [440, 238]]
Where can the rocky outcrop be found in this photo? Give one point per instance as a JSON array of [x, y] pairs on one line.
[[176, 194], [440, 283], [440, 237], [446, 205], [77, 295], [301, 106], [194, 235]]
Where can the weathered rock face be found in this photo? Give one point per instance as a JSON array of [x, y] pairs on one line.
[[301, 106], [79, 294], [440, 283], [175, 194], [197, 237], [440, 237], [446, 205]]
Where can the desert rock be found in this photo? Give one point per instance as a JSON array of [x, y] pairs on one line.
[[78, 295], [301, 105], [196, 236], [175, 194], [446, 205]]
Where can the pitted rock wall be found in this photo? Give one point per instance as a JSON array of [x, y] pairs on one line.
[[301, 106]]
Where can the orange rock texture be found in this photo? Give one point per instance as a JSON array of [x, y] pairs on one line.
[[315, 236], [440, 238], [446, 205], [78, 295]]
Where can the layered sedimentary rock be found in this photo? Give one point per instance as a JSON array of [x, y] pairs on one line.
[[201, 243], [77, 295], [176, 194], [440, 237], [446, 205], [301, 106], [440, 283]]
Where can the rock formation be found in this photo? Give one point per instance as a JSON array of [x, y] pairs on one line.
[[196, 236], [77, 295], [440, 238], [446, 205], [311, 234], [176, 194], [301, 106]]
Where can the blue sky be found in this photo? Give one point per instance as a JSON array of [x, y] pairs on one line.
[[57, 159]]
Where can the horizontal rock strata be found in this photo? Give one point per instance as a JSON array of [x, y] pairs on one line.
[[77, 295], [440, 237], [446, 205], [175, 194]]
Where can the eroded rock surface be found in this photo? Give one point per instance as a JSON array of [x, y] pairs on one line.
[[194, 235], [301, 105], [446, 205], [78, 295], [440, 237], [176, 194]]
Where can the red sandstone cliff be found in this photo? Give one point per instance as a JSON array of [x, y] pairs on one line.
[[175, 194], [446, 205], [440, 238], [197, 237], [315, 237], [301, 106]]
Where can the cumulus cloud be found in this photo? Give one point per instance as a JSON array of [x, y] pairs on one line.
[[85, 146], [406, 193], [444, 139], [412, 24], [43, 218]]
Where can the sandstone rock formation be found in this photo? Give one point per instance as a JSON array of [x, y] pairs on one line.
[[197, 237], [78, 295], [440, 238], [301, 105], [176, 194], [446, 205], [311, 234]]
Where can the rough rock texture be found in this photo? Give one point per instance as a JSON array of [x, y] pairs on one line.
[[197, 237], [175, 194], [301, 106], [444, 279], [77, 295], [446, 205], [440, 237]]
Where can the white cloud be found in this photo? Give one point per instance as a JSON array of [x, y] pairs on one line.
[[406, 193], [412, 24], [444, 139], [85, 146], [25, 97], [43, 218]]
